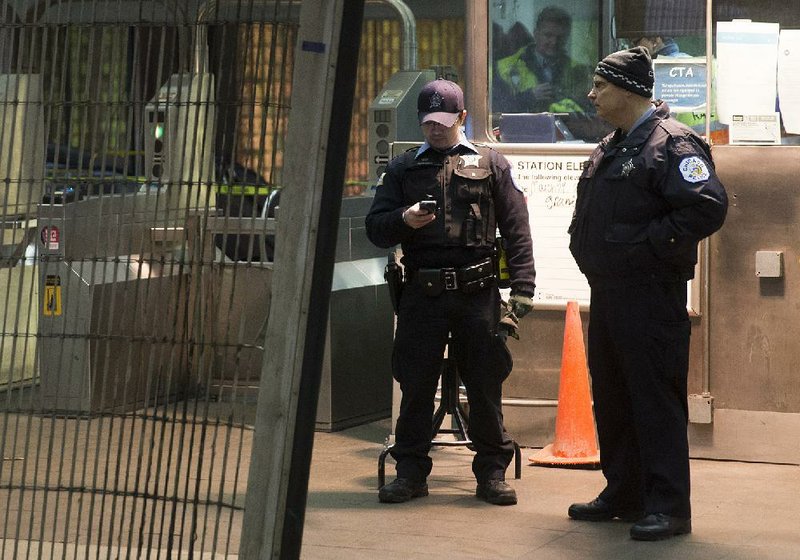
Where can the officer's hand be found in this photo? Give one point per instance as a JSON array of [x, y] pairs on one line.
[[509, 324], [544, 92], [416, 218], [508, 327], [520, 304]]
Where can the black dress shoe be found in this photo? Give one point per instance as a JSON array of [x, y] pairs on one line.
[[600, 510], [657, 526], [496, 492], [402, 490]]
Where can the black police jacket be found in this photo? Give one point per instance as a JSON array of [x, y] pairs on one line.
[[475, 195], [644, 202]]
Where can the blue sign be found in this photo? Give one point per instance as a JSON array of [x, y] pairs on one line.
[[681, 82]]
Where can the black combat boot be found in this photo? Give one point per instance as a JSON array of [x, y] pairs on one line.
[[497, 492], [402, 490]]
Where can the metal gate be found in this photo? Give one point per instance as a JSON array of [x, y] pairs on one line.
[[140, 154]]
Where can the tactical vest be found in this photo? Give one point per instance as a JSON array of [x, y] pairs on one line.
[[463, 187]]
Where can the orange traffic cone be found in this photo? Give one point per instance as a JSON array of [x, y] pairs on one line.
[[575, 444]]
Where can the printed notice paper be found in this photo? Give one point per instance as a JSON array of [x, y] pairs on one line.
[[747, 60], [789, 79], [755, 129]]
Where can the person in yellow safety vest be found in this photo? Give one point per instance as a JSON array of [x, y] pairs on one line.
[[541, 77]]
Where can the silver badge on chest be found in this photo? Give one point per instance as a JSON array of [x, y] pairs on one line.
[[628, 167], [470, 160]]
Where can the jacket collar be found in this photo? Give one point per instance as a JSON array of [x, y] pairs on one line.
[[639, 134], [462, 143]]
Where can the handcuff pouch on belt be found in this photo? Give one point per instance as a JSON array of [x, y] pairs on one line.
[[468, 279]]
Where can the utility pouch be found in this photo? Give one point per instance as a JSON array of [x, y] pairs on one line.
[[393, 273], [475, 277], [431, 280]]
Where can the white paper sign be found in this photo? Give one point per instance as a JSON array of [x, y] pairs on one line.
[[550, 184], [789, 79], [747, 60]]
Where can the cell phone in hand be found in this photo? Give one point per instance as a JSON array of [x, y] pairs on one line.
[[427, 206]]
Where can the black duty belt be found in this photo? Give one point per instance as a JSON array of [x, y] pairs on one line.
[[450, 277], [468, 279]]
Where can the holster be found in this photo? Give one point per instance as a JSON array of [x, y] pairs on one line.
[[393, 273]]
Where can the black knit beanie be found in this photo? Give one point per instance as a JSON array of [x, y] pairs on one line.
[[631, 69]]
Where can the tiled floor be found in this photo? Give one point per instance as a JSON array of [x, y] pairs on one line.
[[741, 511]]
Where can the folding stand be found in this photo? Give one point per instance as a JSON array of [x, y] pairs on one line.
[[450, 403]]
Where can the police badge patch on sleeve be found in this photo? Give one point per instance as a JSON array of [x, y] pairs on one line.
[[694, 169]]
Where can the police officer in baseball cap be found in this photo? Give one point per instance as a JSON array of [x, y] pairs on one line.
[[442, 203]]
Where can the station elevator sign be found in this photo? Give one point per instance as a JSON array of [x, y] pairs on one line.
[[550, 184]]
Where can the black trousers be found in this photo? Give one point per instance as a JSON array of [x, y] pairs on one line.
[[639, 361], [423, 324]]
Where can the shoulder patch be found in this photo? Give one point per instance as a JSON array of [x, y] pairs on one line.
[[693, 169], [380, 181]]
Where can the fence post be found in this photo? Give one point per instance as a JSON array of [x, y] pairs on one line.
[[323, 83]]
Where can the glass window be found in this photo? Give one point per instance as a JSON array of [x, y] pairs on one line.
[[754, 70], [674, 33], [543, 55], [757, 55]]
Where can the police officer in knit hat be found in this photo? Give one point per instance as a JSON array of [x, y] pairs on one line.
[[450, 288], [648, 195]]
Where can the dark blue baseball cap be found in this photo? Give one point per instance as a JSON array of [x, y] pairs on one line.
[[440, 101]]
